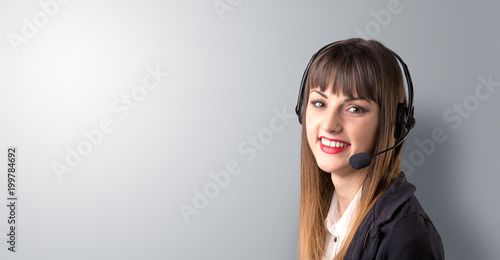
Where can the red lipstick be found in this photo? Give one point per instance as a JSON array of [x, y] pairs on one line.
[[332, 150]]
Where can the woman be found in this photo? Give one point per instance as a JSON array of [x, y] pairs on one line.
[[352, 104]]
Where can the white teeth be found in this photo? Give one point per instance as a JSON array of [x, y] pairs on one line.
[[333, 144]]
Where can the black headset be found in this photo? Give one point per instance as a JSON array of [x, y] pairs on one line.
[[404, 114]]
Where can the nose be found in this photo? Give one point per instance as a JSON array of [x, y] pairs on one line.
[[332, 122]]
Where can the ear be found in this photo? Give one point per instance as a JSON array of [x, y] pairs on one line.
[[401, 118]]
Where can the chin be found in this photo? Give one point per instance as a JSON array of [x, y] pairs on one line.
[[333, 168]]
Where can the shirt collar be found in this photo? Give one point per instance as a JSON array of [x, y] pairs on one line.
[[340, 224]]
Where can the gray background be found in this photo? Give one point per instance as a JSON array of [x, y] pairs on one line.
[[228, 76]]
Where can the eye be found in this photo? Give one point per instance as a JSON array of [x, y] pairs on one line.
[[357, 109], [318, 103]]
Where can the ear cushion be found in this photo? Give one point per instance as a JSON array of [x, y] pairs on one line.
[[401, 117]]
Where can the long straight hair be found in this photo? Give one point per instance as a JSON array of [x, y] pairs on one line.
[[369, 70]]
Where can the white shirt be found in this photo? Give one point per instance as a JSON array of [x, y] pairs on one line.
[[338, 226]]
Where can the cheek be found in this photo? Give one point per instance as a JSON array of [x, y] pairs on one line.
[[308, 126], [367, 133], [373, 133], [311, 132]]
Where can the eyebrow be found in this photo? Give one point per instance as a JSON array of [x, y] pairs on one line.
[[345, 100], [352, 99], [323, 95]]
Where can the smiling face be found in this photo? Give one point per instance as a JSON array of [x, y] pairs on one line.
[[338, 127]]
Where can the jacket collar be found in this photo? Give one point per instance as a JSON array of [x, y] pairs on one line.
[[383, 211], [397, 194]]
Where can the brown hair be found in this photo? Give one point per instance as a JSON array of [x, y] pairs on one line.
[[368, 69]]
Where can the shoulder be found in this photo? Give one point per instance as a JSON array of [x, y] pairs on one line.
[[396, 227], [410, 234]]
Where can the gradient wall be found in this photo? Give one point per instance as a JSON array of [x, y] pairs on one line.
[[166, 130]]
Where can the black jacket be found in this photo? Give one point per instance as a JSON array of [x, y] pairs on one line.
[[396, 227]]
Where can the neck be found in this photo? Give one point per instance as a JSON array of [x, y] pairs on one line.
[[346, 187]]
